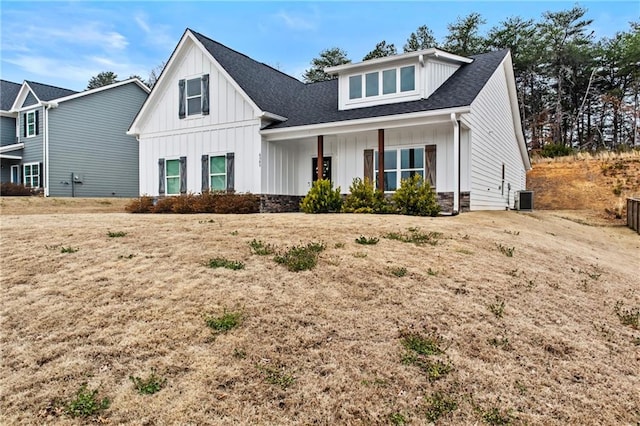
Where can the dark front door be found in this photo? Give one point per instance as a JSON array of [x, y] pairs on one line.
[[326, 169]]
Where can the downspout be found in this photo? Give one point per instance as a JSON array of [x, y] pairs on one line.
[[45, 143], [456, 164]]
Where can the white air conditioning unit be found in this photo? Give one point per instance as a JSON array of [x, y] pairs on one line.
[[524, 200]]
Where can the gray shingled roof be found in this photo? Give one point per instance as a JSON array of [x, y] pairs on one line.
[[45, 92], [8, 92], [317, 103]]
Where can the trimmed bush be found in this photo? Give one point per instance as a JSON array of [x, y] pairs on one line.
[[208, 202], [415, 198], [140, 205], [8, 189], [363, 198], [322, 198]]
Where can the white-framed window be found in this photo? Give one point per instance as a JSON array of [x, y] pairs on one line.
[[399, 164], [172, 177], [218, 173], [31, 175], [194, 96], [31, 124], [386, 82]]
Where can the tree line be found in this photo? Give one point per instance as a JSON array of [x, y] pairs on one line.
[[574, 91]]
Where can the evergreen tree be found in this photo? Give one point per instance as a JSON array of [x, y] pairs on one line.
[[381, 50], [328, 58], [421, 39], [102, 79]]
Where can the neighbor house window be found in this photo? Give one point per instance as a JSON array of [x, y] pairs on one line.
[[31, 174], [355, 86], [407, 79], [31, 124], [218, 173], [400, 164], [172, 177]]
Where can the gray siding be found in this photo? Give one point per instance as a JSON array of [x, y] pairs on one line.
[[87, 137], [32, 152], [7, 131], [29, 100]]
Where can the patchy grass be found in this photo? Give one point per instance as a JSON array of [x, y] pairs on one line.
[[85, 403], [277, 376], [261, 248], [149, 385], [118, 234], [224, 323], [415, 236], [221, 262], [93, 318], [367, 240], [300, 258]]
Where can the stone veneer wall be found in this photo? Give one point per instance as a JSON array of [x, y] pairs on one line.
[[465, 202], [270, 203], [445, 199]]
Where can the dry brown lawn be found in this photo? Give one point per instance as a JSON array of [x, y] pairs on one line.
[[122, 306]]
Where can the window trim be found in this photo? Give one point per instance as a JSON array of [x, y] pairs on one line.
[[226, 181], [381, 95], [398, 169], [187, 97], [30, 133], [166, 176], [30, 176]]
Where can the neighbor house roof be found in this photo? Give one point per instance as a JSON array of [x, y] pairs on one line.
[[8, 92], [45, 92], [316, 103]]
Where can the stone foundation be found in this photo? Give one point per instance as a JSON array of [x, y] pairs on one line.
[[270, 203], [465, 202], [445, 200]]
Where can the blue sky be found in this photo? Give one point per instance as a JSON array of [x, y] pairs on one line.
[[65, 43]]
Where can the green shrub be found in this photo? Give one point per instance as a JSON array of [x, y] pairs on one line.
[[415, 198], [150, 385], [260, 248], [322, 198], [86, 403], [363, 198], [8, 189], [300, 258], [552, 150]]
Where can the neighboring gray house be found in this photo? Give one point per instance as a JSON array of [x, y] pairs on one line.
[[71, 143]]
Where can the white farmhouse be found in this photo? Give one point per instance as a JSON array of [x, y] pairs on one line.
[[219, 120]]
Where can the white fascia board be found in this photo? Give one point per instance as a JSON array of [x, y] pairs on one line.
[[10, 114], [12, 147], [515, 110], [11, 157], [437, 53], [22, 95], [364, 124], [101, 89]]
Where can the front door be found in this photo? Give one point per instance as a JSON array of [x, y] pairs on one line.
[[15, 174], [326, 169]]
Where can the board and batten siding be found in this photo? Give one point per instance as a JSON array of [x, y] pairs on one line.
[[493, 143], [87, 136], [232, 125], [437, 72], [7, 131], [293, 159]]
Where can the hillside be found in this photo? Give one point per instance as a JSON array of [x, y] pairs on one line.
[[598, 184], [496, 318]]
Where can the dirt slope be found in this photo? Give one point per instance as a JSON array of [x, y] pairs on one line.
[[599, 184]]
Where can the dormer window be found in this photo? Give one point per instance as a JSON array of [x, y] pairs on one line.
[[383, 83]]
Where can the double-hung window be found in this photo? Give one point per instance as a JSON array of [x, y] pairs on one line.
[[218, 173], [172, 177], [400, 164], [31, 175], [31, 124], [193, 96]]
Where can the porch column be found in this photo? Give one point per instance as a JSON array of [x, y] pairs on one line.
[[320, 157], [381, 159], [456, 164]]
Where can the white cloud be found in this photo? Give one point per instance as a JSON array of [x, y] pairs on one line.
[[297, 22], [141, 20]]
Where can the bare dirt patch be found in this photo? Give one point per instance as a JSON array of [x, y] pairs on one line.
[[598, 183], [130, 295]]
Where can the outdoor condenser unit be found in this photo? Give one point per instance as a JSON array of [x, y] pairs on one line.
[[524, 200]]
